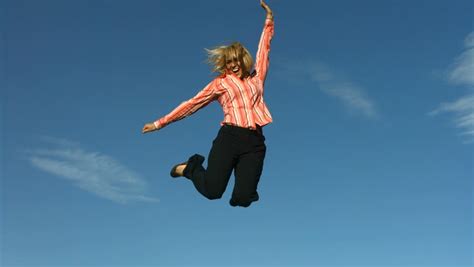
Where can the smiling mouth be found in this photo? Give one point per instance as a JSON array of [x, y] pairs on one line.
[[235, 69]]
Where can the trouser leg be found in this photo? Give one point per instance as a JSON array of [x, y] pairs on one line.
[[247, 175], [212, 182]]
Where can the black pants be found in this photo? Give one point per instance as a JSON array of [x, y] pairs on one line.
[[234, 148]]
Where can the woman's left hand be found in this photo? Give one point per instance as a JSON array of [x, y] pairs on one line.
[[267, 8]]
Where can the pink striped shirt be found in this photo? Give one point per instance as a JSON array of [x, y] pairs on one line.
[[241, 99]]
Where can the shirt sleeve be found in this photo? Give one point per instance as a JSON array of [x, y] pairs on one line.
[[262, 59], [202, 99]]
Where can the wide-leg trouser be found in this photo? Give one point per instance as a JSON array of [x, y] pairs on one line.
[[234, 148]]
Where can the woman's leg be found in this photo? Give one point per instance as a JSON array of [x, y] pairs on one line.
[[212, 182], [247, 174]]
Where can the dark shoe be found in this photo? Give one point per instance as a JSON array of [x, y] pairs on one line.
[[173, 172]]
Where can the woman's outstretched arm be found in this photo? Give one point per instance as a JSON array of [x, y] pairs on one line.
[[202, 99], [262, 60]]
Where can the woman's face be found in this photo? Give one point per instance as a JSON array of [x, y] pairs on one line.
[[233, 65]]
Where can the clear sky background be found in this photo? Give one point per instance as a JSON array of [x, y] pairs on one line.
[[369, 158]]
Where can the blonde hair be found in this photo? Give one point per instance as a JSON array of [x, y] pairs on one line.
[[218, 56]]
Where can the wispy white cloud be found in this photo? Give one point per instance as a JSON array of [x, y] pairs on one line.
[[351, 95], [462, 73], [462, 70], [91, 171], [464, 111]]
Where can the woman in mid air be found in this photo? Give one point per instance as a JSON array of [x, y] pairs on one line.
[[240, 144]]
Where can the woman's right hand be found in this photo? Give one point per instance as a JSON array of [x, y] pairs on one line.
[[149, 127]]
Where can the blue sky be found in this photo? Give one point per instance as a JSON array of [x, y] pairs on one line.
[[369, 160]]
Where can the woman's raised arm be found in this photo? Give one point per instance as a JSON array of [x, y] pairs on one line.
[[262, 59]]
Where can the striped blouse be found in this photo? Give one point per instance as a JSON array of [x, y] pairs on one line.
[[241, 99]]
